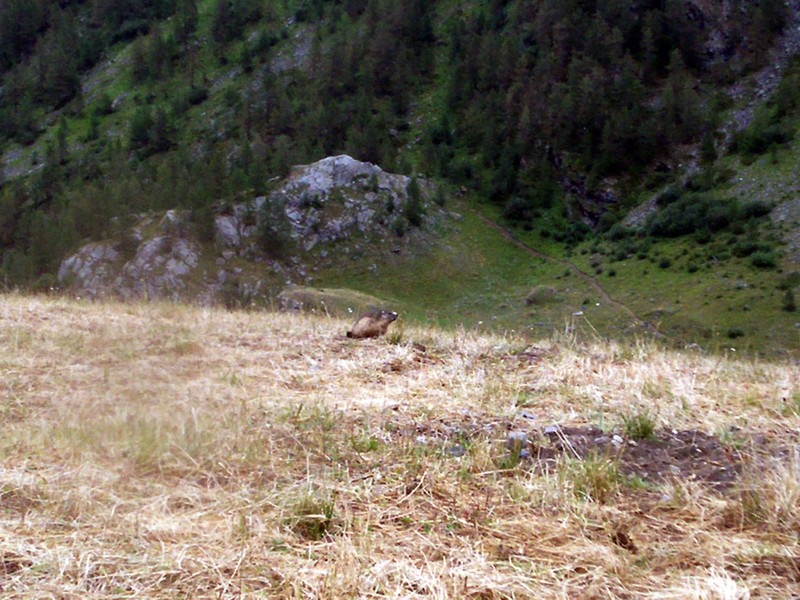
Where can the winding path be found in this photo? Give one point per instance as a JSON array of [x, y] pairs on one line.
[[592, 281]]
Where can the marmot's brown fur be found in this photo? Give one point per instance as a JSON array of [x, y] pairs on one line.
[[372, 324]]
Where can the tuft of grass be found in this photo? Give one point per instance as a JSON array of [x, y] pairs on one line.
[[595, 478], [311, 514], [791, 405], [769, 496], [640, 424]]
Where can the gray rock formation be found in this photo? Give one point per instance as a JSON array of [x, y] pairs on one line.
[[89, 268], [156, 269], [337, 207]]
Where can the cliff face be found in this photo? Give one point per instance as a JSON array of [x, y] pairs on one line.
[[335, 209]]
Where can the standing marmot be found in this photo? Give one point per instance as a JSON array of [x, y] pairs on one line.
[[372, 324]]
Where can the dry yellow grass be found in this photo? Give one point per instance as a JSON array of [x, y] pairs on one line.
[[164, 451]]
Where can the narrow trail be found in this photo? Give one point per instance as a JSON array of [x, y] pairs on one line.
[[592, 281]]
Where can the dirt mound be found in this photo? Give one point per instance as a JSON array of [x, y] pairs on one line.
[[690, 454]]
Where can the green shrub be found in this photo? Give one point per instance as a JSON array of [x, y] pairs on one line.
[[691, 213], [789, 301], [764, 131], [414, 209], [764, 260], [542, 294], [755, 209], [746, 248], [790, 281], [274, 230], [734, 333]]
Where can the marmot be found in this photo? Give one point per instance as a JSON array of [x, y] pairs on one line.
[[372, 324]]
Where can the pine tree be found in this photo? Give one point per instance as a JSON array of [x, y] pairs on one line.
[[62, 149], [789, 301], [414, 210], [185, 22]]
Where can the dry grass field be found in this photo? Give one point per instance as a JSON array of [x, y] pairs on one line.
[[169, 451]]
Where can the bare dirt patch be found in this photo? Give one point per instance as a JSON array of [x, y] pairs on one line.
[[689, 454]]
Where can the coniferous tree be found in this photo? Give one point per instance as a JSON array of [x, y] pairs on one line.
[[185, 22]]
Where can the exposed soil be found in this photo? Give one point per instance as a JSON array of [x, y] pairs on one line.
[[689, 454]]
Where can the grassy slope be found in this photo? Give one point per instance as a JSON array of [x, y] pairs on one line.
[[161, 450], [477, 277]]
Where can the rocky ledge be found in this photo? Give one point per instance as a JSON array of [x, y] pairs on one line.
[[321, 214]]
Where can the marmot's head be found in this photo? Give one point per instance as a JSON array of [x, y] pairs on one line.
[[385, 316]]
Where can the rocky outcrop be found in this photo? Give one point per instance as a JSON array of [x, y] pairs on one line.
[[157, 267], [335, 210], [89, 268]]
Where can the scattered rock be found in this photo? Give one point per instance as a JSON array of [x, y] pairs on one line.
[[455, 451]]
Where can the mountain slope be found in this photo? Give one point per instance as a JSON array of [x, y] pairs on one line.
[[554, 119]]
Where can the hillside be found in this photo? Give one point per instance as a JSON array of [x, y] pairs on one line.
[[154, 450], [638, 163]]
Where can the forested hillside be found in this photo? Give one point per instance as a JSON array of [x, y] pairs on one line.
[[562, 113]]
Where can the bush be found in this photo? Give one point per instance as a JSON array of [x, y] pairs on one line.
[[414, 209], [790, 281], [665, 263], [763, 132], [745, 248], [789, 301], [104, 105], [618, 232], [692, 213], [274, 230], [755, 209], [764, 260], [542, 294], [734, 332], [140, 126]]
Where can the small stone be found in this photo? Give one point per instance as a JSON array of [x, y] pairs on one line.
[[456, 451], [552, 430], [527, 415], [617, 440], [516, 440]]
